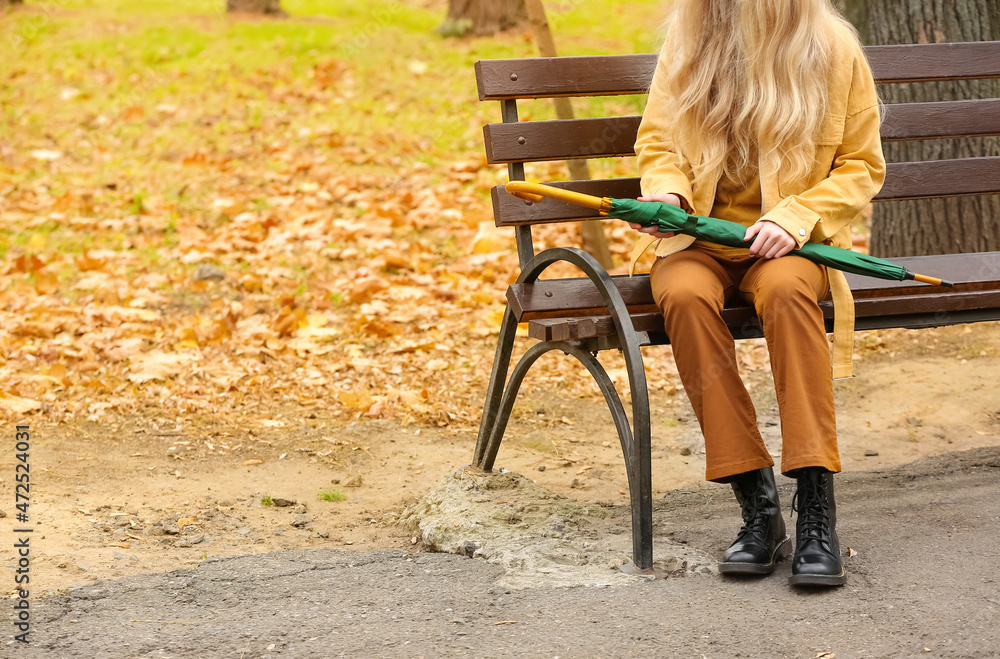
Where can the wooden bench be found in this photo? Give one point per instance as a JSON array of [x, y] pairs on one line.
[[585, 315]]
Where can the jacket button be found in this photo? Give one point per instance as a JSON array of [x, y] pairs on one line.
[[802, 232]]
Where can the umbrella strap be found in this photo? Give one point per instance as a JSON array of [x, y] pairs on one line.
[[843, 325], [640, 248]]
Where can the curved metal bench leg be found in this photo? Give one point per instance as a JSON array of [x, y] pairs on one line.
[[501, 361], [635, 441], [637, 464], [506, 404], [517, 377], [637, 451]]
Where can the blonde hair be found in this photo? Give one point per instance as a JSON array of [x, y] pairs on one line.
[[746, 72]]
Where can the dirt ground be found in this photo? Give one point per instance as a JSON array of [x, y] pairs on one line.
[[140, 495]]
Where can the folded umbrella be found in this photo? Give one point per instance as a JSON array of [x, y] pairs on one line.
[[667, 218]]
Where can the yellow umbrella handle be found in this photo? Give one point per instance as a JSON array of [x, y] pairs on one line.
[[536, 192], [932, 280]]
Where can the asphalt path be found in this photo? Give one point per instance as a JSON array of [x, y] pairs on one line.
[[924, 582]]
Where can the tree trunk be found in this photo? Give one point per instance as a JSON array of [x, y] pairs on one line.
[[936, 226], [269, 7], [482, 17], [592, 235]]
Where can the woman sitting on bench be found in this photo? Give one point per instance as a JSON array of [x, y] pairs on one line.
[[766, 114]]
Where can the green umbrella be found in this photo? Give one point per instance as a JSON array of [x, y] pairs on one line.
[[669, 218]]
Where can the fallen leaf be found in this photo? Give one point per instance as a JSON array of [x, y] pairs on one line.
[[489, 239], [437, 365], [156, 366], [360, 401], [17, 404]]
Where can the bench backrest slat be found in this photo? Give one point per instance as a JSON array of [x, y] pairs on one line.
[[630, 74], [941, 178], [937, 61], [904, 180], [535, 141], [516, 143]]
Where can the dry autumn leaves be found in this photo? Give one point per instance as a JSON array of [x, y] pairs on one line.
[[171, 246], [371, 296]]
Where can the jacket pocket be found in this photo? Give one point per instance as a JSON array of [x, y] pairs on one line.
[[831, 131], [831, 136]]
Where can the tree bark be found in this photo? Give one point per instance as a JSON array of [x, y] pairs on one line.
[[592, 235], [936, 226], [268, 7], [483, 17]]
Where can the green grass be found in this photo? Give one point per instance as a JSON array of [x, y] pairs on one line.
[[331, 495], [162, 107], [266, 500]]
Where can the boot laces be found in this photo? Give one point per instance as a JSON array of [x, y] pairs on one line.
[[814, 516], [754, 511]]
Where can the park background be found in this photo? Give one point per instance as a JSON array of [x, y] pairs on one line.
[[247, 259]]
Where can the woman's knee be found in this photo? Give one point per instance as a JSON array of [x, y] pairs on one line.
[[685, 294], [682, 281], [776, 286]]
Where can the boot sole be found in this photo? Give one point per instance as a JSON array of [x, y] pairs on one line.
[[818, 579], [783, 550]]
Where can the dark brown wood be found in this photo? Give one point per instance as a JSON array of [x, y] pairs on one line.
[[927, 121], [900, 308], [939, 61], [543, 77], [536, 141], [533, 141], [511, 211], [943, 178], [578, 296], [631, 74]]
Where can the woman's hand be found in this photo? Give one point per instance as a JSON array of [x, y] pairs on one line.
[[671, 199], [772, 241]]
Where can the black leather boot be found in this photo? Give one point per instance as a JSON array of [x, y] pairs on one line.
[[762, 540], [817, 559]]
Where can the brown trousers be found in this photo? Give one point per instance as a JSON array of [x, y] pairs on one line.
[[691, 288]]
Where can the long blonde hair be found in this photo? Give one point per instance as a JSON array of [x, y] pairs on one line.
[[746, 72]]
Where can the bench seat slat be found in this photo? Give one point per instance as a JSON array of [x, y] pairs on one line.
[[871, 313], [614, 75], [569, 139], [904, 180], [578, 296]]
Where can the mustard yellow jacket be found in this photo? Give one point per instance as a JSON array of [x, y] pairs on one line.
[[820, 207]]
